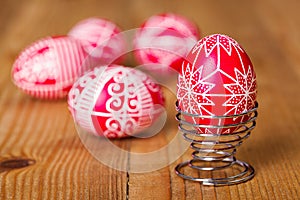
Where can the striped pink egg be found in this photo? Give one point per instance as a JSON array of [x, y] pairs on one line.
[[48, 68], [115, 101], [165, 40], [101, 38]]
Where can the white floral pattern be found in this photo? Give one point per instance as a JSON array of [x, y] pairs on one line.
[[243, 93], [39, 68], [192, 90]]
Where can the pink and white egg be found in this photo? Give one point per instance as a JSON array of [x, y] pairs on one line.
[[115, 101], [101, 38], [49, 67], [163, 40], [217, 79]]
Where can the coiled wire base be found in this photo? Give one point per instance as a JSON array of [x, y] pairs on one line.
[[213, 159]]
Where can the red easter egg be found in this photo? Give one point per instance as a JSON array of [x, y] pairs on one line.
[[217, 79], [101, 38], [115, 101], [48, 68], [165, 39]]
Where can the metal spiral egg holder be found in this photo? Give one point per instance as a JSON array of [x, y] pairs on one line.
[[213, 159]]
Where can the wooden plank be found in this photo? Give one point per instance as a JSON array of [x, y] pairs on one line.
[[64, 169], [34, 129]]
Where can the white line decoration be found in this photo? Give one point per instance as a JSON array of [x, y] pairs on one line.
[[115, 101], [49, 67]]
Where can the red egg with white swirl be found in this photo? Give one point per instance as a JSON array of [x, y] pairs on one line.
[[164, 40], [115, 101], [48, 68], [217, 79], [101, 38]]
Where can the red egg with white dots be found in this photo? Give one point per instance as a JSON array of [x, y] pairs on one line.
[[217, 79], [164, 40], [115, 101], [48, 68], [101, 38]]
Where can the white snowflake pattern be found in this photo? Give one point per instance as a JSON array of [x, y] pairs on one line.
[[216, 41], [192, 91], [243, 92]]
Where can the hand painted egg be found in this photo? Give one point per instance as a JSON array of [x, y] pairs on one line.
[[115, 101], [48, 68], [217, 79], [165, 40], [101, 38]]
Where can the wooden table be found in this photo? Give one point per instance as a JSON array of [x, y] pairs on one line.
[[60, 167]]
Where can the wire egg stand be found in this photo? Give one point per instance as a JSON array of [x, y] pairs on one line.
[[213, 158]]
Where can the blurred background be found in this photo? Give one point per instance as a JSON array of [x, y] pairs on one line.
[[268, 30]]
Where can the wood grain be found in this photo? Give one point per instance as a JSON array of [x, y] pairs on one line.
[[64, 169]]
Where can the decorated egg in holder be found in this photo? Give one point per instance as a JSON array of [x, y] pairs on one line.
[[217, 110]]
